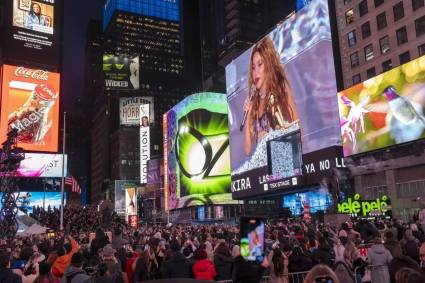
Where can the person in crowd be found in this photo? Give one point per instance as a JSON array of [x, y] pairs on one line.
[[74, 273], [422, 257], [65, 253], [321, 273], [379, 258], [99, 242], [44, 274], [248, 272], [118, 241], [339, 250], [223, 262], [203, 268], [392, 244], [410, 245], [299, 261], [109, 273], [408, 275], [325, 253], [278, 266], [6, 274], [177, 266], [141, 268], [398, 263]]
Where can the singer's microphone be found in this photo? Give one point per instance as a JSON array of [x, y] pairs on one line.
[[245, 113]]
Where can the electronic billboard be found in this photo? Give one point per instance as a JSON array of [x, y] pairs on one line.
[[30, 104], [196, 152], [281, 100], [385, 110]]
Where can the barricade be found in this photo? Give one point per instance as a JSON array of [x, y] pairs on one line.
[[367, 272]]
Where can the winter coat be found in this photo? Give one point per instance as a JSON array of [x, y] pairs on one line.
[[7, 276], [394, 247], [176, 267], [246, 272], [223, 266], [76, 275], [62, 262], [324, 255], [299, 263], [379, 258], [204, 269]]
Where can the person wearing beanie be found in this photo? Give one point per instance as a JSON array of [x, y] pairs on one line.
[[203, 268], [177, 266], [74, 273], [63, 260]]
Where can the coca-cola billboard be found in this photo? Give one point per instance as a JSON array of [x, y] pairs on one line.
[[30, 104], [32, 32]]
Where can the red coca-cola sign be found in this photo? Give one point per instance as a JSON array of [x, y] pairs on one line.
[[29, 73]]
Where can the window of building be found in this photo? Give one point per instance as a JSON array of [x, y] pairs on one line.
[[416, 4], [421, 49], [356, 79], [368, 52], [381, 21], [351, 36], [363, 8], [404, 57], [401, 35], [370, 73], [384, 44], [349, 16], [398, 10], [378, 3], [420, 26], [366, 30], [354, 57], [387, 65]]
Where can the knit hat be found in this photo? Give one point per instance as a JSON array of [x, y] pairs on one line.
[[108, 251]]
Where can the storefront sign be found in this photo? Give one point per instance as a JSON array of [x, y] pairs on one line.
[[364, 208]]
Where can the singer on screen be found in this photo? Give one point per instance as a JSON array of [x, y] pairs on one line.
[[270, 104]]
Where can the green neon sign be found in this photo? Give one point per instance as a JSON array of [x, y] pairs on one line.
[[357, 206]]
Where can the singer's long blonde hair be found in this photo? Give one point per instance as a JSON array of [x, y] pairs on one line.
[[276, 84]]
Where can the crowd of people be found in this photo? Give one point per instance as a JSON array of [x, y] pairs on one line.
[[359, 251]]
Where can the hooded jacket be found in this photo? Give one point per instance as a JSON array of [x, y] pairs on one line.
[[223, 266], [176, 267], [62, 262], [379, 258], [204, 269]]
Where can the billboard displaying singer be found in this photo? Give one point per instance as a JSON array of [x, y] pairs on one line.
[[130, 110], [196, 152], [30, 104], [145, 143], [385, 110], [278, 99], [27, 200], [121, 72], [32, 31]]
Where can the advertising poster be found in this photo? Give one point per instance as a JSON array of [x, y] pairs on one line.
[[30, 104], [130, 110], [27, 200], [33, 33], [385, 110], [42, 165], [121, 72], [281, 106], [130, 201], [145, 143], [122, 200], [197, 153], [154, 172]]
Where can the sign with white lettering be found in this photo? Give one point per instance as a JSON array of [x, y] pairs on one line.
[[121, 72], [130, 110], [145, 144]]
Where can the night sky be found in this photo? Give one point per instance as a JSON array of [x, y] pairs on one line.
[[77, 14]]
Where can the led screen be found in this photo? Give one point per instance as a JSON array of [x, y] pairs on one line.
[[317, 200], [33, 33], [27, 200], [41, 166], [121, 72], [385, 110], [196, 146], [273, 90], [30, 104]]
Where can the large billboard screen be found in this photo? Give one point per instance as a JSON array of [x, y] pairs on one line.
[[281, 106], [121, 72], [125, 197], [385, 110], [25, 201], [33, 31], [30, 104], [42, 165], [196, 152], [130, 110]]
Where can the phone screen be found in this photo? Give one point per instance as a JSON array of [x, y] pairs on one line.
[[252, 238]]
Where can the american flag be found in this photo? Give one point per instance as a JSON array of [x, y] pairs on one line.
[[70, 181]]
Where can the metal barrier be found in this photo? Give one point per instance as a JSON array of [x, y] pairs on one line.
[[358, 278]]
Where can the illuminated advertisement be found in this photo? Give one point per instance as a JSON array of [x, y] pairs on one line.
[[281, 106], [145, 142], [42, 165], [121, 72], [27, 200], [123, 199], [33, 33], [385, 110], [315, 200], [356, 207], [30, 104], [196, 158], [130, 110]]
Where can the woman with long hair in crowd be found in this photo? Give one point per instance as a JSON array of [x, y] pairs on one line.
[[278, 266]]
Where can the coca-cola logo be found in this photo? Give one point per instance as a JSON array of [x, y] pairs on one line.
[[34, 74]]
